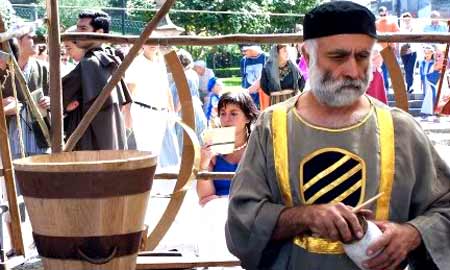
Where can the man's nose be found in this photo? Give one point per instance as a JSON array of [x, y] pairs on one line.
[[351, 68]]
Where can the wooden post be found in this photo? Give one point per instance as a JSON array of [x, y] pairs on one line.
[[16, 231], [398, 82], [441, 79], [245, 38], [54, 51], [116, 77]]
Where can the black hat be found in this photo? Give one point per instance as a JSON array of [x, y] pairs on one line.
[[339, 17]]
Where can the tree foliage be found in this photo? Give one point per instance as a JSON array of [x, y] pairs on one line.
[[69, 16], [214, 24]]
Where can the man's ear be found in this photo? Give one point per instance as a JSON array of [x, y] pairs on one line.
[[99, 31], [305, 54]]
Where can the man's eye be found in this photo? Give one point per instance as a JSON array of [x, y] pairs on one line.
[[362, 56]]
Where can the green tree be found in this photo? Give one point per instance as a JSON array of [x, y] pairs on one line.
[[284, 24], [7, 12], [210, 24], [213, 24], [69, 16]]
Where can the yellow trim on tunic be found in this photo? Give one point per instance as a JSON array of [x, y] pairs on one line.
[[387, 165], [281, 153], [387, 160]]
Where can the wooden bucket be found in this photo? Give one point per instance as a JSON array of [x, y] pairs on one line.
[[87, 208]]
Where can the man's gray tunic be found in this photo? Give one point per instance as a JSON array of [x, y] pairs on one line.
[[420, 194]]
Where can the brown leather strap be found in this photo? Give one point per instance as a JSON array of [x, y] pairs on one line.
[[94, 249], [65, 185]]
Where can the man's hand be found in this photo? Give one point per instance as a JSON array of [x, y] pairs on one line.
[[333, 221], [72, 106], [11, 106], [44, 102], [394, 245]]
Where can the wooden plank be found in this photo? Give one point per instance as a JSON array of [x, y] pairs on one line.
[[203, 175], [244, 38], [16, 231], [445, 109], [398, 82], [183, 262], [116, 77], [54, 53]]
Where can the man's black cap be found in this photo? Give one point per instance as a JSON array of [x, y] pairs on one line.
[[339, 17]]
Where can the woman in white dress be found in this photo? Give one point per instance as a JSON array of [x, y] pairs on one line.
[[152, 103]]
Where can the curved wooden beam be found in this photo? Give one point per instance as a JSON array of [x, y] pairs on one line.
[[190, 159], [398, 82]]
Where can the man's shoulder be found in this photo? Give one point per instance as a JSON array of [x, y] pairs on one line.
[[97, 57], [397, 114]]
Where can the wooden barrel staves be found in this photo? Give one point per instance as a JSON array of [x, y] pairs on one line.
[[87, 208]]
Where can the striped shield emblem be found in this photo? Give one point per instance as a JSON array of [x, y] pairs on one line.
[[332, 175]]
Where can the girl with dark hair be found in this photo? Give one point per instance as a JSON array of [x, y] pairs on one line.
[[235, 110], [238, 110]]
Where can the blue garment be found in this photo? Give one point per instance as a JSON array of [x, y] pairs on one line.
[[430, 78], [222, 186], [409, 62], [251, 69], [435, 28], [213, 102], [200, 118], [384, 69]]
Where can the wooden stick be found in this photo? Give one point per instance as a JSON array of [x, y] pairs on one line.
[[441, 79], [368, 202], [244, 38], [54, 52], [398, 81], [203, 175], [116, 77], [16, 231]]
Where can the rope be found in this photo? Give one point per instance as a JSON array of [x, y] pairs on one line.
[[225, 12], [12, 72]]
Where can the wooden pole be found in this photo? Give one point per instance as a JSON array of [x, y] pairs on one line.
[[398, 82], [16, 231], [441, 79], [116, 77], [245, 38], [199, 176], [54, 51]]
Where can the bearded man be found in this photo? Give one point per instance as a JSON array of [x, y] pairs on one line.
[[313, 158]]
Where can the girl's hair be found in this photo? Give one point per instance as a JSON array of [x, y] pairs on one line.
[[41, 48], [245, 103], [281, 46]]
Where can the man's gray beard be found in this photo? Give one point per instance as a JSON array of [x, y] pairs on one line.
[[336, 93]]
